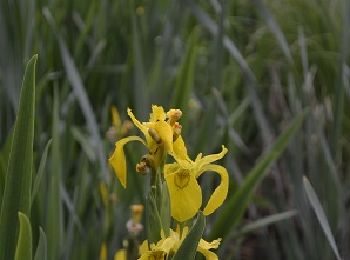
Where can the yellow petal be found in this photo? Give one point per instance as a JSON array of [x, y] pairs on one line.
[[103, 251], [118, 161], [220, 193], [138, 124], [204, 246], [180, 150], [120, 255], [157, 114], [200, 162], [166, 245], [184, 191], [143, 247], [116, 117], [209, 245], [165, 133]]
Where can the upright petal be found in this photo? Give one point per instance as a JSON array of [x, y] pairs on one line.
[[201, 162], [180, 150], [137, 123], [184, 191], [157, 114], [118, 161], [220, 193], [165, 133]]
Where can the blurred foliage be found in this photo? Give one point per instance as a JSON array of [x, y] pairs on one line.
[[239, 70]]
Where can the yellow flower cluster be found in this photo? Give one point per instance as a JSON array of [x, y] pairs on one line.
[[169, 245], [162, 137]]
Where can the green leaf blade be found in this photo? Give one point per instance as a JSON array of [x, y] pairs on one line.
[[234, 208], [188, 248], [24, 246], [17, 193], [321, 216], [41, 250]]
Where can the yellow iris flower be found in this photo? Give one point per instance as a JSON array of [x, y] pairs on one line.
[[184, 191], [169, 245], [158, 132]]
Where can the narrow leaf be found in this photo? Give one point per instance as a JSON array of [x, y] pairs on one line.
[[321, 216], [53, 224], [234, 208], [154, 225], [18, 184], [266, 221], [188, 248], [41, 250], [41, 170], [165, 210], [24, 246]]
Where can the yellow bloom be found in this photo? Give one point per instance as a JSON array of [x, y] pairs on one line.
[[103, 251], [181, 177], [159, 135], [118, 129], [169, 245], [121, 254]]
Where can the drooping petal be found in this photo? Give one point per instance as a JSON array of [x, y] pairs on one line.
[[180, 150], [220, 193], [118, 161], [200, 162], [204, 247], [157, 114], [184, 191], [138, 124]]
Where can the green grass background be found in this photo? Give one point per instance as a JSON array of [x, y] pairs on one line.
[[239, 70]]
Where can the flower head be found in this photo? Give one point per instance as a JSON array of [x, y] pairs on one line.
[[158, 135], [169, 245], [184, 191]]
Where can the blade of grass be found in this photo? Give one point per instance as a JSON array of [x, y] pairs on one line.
[[54, 205], [274, 27], [266, 221], [185, 78], [24, 246], [234, 208], [76, 82], [41, 171], [41, 250], [321, 216], [339, 91], [18, 184], [248, 74], [188, 247]]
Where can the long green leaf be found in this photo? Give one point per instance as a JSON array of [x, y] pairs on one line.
[[266, 221], [24, 246], [41, 250], [4, 157], [321, 216], [41, 171], [53, 225], [185, 78], [188, 248], [165, 210], [17, 193], [154, 222], [235, 207]]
